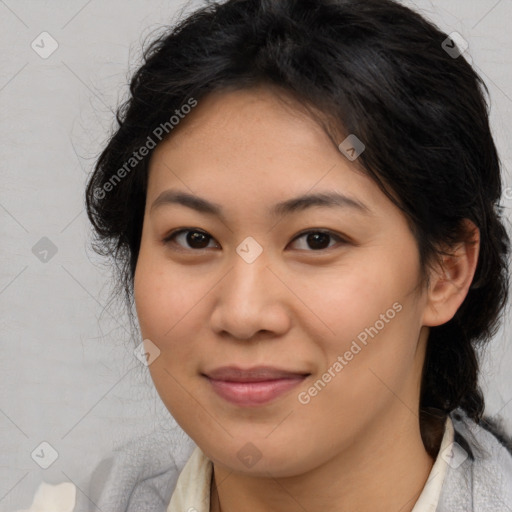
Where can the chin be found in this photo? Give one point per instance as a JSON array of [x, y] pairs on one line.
[[258, 458]]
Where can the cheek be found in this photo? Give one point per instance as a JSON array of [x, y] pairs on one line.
[[373, 318], [351, 299], [164, 302], [171, 304], [163, 296], [150, 301]]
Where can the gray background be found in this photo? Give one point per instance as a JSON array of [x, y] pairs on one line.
[[69, 376]]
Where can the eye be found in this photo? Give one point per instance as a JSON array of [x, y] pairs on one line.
[[318, 240], [194, 238]]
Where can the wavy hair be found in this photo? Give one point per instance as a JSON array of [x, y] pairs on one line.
[[368, 67]]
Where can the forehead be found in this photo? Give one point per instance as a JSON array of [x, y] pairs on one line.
[[255, 143], [227, 117]]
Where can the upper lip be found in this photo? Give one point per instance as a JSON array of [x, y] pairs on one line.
[[255, 374]]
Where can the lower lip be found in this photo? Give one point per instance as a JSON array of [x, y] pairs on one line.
[[250, 394]]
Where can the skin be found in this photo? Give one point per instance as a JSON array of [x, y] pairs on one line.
[[356, 445]]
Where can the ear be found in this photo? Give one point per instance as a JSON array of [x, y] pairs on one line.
[[450, 280]]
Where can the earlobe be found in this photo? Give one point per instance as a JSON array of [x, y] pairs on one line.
[[451, 278]]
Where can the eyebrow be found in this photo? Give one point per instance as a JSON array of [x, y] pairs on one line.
[[295, 204]]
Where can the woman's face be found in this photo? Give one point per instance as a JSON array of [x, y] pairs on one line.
[[322, 291]]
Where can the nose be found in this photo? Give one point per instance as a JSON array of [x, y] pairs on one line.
[[250, 302]]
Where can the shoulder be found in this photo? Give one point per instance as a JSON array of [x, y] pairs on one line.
[[479, 476], [140, 474]]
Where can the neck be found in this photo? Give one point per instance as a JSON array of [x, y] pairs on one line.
[[385, 469]]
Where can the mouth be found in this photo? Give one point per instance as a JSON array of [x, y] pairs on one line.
[[253, 387]]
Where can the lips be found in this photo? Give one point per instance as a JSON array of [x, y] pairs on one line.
[[254, 386]]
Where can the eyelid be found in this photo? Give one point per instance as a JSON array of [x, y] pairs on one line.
[[326, 231], [340, 238], [169, 236]]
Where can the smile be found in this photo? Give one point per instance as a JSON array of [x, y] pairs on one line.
[[250, 388], [248, 394]]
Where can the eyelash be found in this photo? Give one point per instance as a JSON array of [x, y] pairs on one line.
[[168, 240]]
